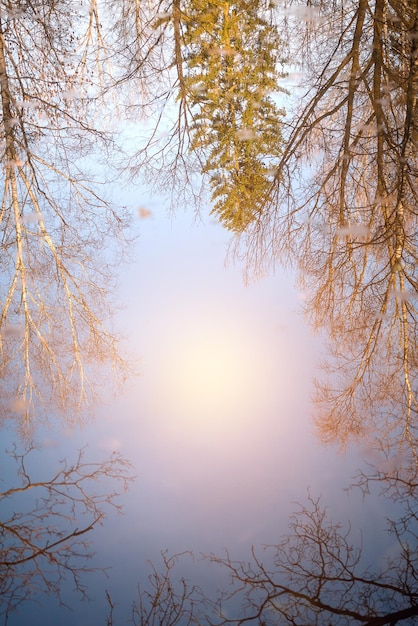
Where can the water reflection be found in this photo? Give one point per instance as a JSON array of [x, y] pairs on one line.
[[46, 521], [343, 211], [55, 346], [316, 574], [220, 442]]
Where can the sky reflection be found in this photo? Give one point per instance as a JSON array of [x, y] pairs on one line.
[[218, 424]]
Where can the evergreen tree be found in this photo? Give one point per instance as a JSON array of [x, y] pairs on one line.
[[231, 55]]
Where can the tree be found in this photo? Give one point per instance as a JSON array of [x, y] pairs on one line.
[[148, 44], [316, 575], [231, 58], [166, 601], [53, 223], [343, 210], [212, 69], [45, 522], [317, 578]]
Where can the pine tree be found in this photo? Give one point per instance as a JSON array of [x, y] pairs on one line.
[[231, 54]]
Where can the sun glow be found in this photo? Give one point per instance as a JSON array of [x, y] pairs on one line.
[[208, 374], [212, 376]]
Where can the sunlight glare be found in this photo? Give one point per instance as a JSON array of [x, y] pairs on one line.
[[212, 377]]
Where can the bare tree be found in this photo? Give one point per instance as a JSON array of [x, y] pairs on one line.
[[45, 522], [166, 601], [319, 573], [59, 238], [148, 43], [317, 577], [342, 209]]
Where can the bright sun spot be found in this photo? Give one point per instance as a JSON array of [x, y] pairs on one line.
[[211, 376]]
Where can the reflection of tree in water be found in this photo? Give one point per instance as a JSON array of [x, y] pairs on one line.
[[55, 282], [216, 65], [45, 521], [231, 55], [316, 574], [53, 225], [351, 227]]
